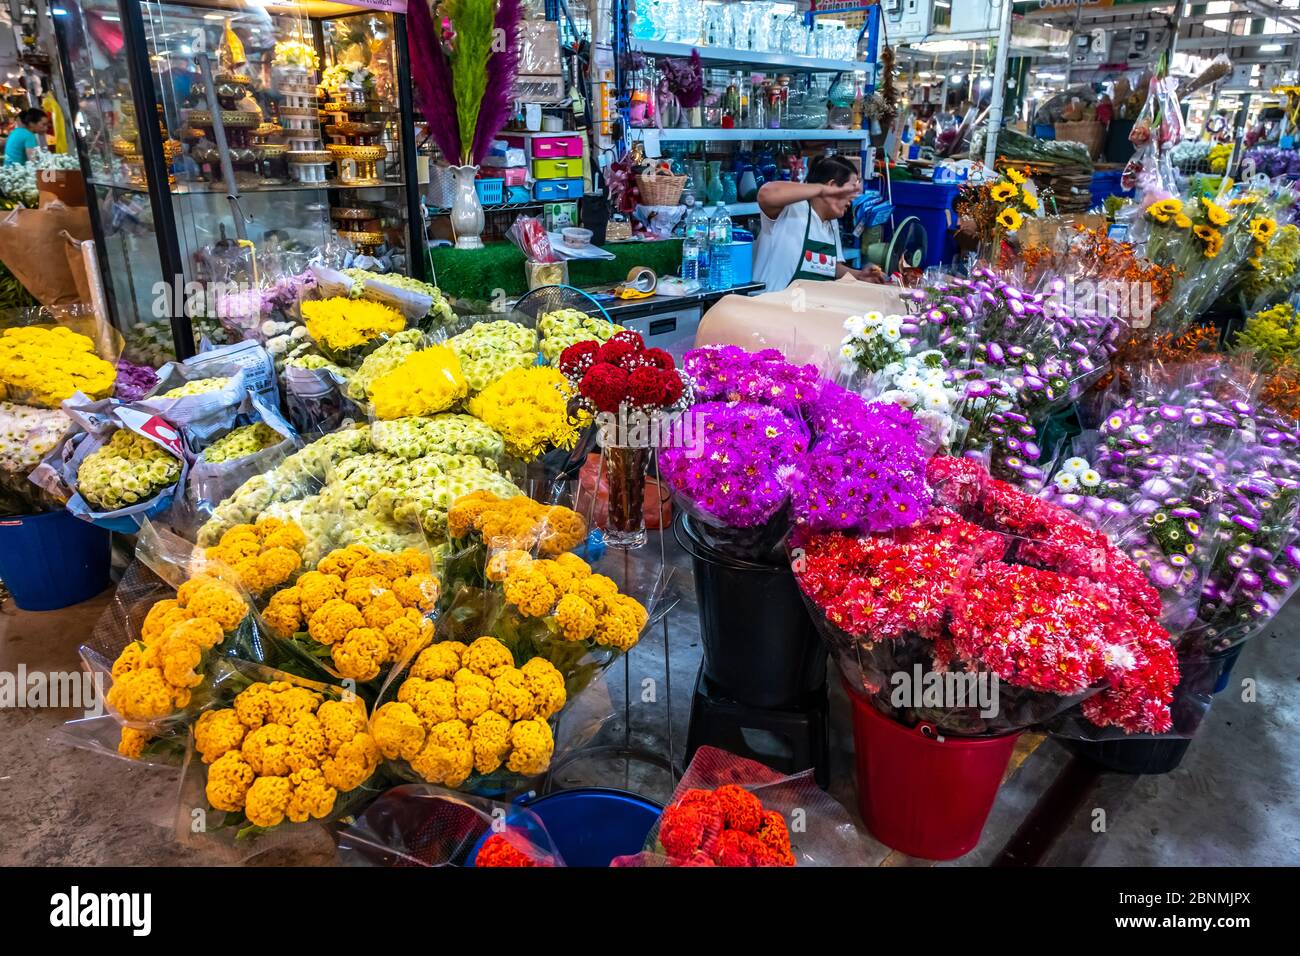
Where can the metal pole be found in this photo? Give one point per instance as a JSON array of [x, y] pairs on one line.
[[999, 86], [223, 152]]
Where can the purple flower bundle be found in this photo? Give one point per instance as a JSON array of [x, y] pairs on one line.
[[865, 472], [732, 467], [134, 382], [728, 373], [775, 432], [1272, 161], [1020, 355]]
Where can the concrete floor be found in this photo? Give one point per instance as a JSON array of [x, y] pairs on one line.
[[1234, 801]]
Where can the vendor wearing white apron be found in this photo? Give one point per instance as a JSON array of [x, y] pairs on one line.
[[800, 238]]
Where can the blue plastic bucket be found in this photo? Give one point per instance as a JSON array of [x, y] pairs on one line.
[[49, 561], [932, 204], [591, 825]]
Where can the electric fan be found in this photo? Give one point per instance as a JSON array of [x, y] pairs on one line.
[[553, 298], [906, 248]]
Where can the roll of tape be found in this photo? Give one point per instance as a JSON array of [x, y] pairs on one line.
[[642, 279]]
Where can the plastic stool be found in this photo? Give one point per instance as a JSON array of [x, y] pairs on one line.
[[804, 727]]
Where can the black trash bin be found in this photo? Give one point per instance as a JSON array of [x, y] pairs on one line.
[[760, 646]]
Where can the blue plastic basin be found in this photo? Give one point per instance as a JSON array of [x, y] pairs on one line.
[[49, 561]]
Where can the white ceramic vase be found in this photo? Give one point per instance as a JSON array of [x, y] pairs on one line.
[[466, 210]]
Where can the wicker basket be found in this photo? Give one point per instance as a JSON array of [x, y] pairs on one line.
[[660, 190]]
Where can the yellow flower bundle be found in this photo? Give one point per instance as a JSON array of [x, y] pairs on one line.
[[368, 607], [423, 383], [518, 522], [155, 676], [530, 408], [464, 708], [43, 366], [283, 751], [261, 556], [341, 323], [125, 470], [585, 606]]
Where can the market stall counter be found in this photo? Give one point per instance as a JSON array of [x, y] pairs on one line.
[[670, 321]]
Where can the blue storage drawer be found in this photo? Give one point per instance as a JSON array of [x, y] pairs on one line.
[[550, 190]]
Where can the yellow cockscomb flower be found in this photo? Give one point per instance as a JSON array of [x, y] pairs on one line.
[[218, 732], [447, 756], [310, 796], [490, 740], [1010, 220], [439, 661], [355, 762], [511, 697], [267, 800], [531, 747], [487, 656], [131, 743], [398, 731], [229, 779], [220, 602]]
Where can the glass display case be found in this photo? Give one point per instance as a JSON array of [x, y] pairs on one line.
[[276, 130]]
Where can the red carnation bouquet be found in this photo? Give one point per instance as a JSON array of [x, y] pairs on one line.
[[623, 375], [729, 811], [1006, 599]]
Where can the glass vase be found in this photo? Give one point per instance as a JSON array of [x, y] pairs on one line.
[[626, 467]]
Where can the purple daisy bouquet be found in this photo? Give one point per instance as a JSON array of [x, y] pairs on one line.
[[1016, 356], [728, 373], [729, 466], [866, 470], [770, 434]]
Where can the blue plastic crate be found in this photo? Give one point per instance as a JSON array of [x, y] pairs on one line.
[[491, 192]]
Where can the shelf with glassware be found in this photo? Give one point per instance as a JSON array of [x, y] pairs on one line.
[[279, 135]]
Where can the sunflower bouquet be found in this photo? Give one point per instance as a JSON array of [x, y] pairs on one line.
[[1207, 241], [997, 209]]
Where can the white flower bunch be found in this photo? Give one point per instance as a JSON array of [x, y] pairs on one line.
[[1076, 476], [18, 183], [922, 383], [872, 341]]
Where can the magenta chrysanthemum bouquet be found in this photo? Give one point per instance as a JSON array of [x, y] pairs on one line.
[[733, 463], [775, 432], [866, 470], [728, 373]]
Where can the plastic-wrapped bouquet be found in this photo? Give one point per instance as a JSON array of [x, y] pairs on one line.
[[126, 469], [488, 350], [27, 435], [42, 366], [529, 407], [623, 374], [565, 327], [995, 582], [340, 326]]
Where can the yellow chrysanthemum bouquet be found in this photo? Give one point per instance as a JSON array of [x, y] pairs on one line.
[[345, 329], [42, 365], [531, 409], [358, 612]]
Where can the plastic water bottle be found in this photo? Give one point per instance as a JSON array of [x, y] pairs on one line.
[[720, 248], [697, 229], [692, 253]]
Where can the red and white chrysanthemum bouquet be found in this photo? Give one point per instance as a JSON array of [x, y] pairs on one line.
[[996, 611]]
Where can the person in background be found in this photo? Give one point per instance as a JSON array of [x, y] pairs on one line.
[[24, 136], [800, 234]]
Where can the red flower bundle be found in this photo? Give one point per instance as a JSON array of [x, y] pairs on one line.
[[724, 827], [620, 371], [1022, 589], [498, 851]]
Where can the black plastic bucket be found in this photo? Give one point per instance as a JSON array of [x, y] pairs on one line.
[[760, 646], [1199, 680]]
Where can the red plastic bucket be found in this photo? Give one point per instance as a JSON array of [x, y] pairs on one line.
[[923, 794]]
